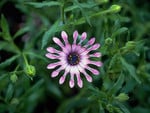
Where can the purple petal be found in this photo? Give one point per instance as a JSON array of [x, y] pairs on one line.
[[52, 50], [62, 78], [55, 73], [94, 71], [94, 47], [97, 54], [97, 63], [79, 81], [75, 36], [57, 41], [53, 65], [88, 77], [52, 56], [83, 36], [91, 41], [64, 37], [71, 82]]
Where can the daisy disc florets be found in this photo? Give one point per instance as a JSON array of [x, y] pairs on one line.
[[74, 58]]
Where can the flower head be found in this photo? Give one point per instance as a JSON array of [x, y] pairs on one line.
[[74, 58]]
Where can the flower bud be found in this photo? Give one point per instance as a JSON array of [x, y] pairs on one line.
[[13, 78], [122, 97], [14, 101], [108, 41], [130, 45], [109, 107], [30, 70], [115, 8]]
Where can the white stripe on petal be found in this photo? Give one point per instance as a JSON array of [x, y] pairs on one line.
[[88, 77], [52, 56], [79, 80], [71, 82], [57, 41], [83, 36], [94, 71], [74, 69], [53, 65], [56, 72], [96, 63], [52, 50], [75, 36], [67, 49], [94, 47], [97, 54], [62, 78], [73, 47], [90, 42]]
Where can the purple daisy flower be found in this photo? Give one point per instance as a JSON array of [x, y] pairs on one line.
[[74, 58]]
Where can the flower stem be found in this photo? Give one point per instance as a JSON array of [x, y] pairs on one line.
[[62, 13], [25, 59]]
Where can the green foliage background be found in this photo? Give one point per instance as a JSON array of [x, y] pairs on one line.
[[120, 26]]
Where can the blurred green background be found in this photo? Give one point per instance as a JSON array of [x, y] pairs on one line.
[[122, 27]]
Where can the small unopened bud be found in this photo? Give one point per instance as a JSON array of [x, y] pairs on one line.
[[14, 101], [122, 97], [30, 70], [130, 45], [108, 41], [109, 107], [115, 8], [13, 78]]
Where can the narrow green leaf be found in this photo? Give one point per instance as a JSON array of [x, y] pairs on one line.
[[21, 31], [5, 45], [44, 4], [5, 28], [33, 88], [123, 108], [36, 55], [130, 69], [9, 92], [117, 85], [68, 105], [53, 89], [48, 34], [119, 31], [8, 61], [97, 14], [83, 12], [83, 5]]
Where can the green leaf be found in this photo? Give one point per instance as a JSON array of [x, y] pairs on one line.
[[5, 28], [83, 5], [119, 31], [21, 31], [130, 69], [73, 103], [5, 45], [9, 92], [84, 13], [36, 55], [123, 108], [44, 4], [53, 89], [33, 88], [117, 85], [48, 34], [8, 61]]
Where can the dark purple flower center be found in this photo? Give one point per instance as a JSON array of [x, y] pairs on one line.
[[73, 58]]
